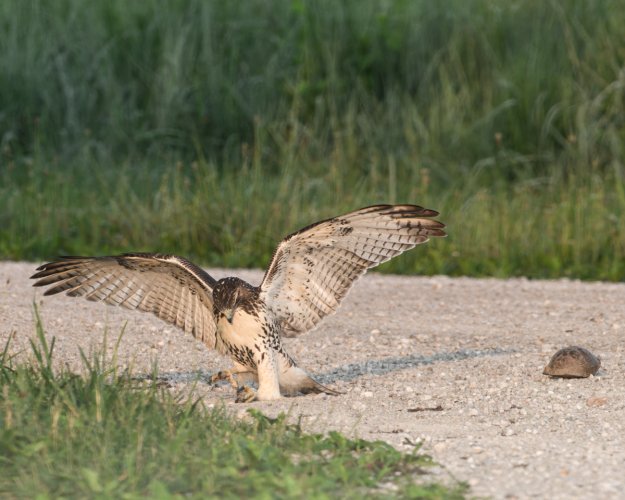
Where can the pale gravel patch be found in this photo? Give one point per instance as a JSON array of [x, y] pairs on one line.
[[475, 347]]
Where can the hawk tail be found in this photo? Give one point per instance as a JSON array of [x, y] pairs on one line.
[[314, 387], [295, 380]]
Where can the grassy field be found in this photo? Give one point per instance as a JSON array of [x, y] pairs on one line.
[[212, 129], [107, 435]]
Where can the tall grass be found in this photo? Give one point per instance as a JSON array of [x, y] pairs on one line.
[[213, 128], [104, 435], [566, 225]]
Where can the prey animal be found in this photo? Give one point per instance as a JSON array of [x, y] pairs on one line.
[[310, 273]]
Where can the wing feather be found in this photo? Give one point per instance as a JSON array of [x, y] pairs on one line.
[[172, 288], [313, 269]]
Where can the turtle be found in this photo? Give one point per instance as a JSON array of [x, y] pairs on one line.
[[572, 362]]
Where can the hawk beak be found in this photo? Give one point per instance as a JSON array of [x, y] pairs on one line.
[[229, 313]]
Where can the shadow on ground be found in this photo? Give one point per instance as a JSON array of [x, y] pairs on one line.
[[352, 371]]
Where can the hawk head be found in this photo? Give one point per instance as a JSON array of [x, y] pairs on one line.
[[231, 293]]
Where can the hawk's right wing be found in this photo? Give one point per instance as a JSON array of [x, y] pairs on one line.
[[172, 288], [313, 269]]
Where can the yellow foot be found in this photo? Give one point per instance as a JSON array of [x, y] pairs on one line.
[[224, 375], [245, 394]]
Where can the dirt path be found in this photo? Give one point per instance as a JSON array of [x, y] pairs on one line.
[[401, 347]]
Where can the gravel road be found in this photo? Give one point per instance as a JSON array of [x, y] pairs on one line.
[[455, 364]]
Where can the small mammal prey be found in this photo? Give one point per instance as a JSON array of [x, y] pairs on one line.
[[310, 273]]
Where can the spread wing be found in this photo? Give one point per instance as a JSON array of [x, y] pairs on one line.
[[170, 287], [313, 269]]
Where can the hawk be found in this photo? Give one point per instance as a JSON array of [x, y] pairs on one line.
[[310, 273]]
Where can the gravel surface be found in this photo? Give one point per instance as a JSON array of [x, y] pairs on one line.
[[455, 364]]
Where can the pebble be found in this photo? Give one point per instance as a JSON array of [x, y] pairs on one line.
[[596, 402], [438, 447]]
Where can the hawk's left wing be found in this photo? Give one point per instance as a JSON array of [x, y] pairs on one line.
[[313, 269]]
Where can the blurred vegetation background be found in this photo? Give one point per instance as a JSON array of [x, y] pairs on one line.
[[212, 129]]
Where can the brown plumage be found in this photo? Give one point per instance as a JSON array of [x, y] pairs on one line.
[[572, 362], [310, 273]]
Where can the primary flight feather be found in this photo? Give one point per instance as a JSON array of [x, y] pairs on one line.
[[310, 273]]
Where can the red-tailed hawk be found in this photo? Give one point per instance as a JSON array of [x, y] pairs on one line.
[[309, 274]]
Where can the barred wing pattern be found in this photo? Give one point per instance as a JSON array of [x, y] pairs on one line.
[[172, 288], [313, 269]]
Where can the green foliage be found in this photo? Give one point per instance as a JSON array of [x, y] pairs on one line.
[[435, 81], [563, 225], [106, 435], [212, 128]]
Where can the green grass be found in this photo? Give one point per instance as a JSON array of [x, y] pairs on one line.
[[212, 128], [561, 225], [105, 435]]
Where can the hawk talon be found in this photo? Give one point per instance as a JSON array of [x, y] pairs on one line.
[[245, 394], [224, 375]]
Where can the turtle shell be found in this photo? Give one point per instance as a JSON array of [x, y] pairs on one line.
[[572, 362]]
